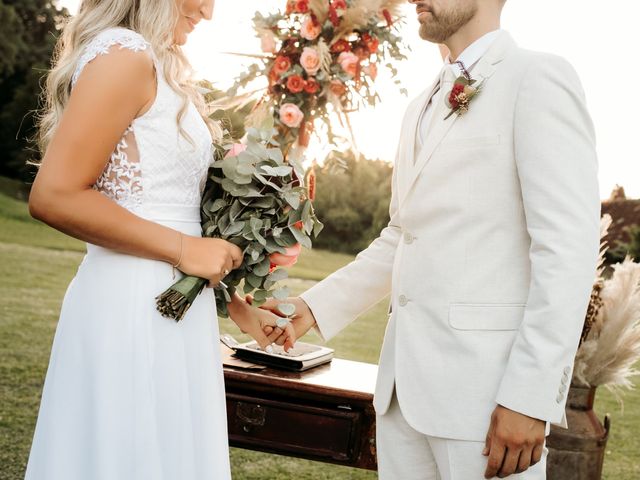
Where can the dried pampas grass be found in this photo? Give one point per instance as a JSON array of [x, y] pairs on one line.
[[595, 302], [612, 346], [360, 13], [320, 9]]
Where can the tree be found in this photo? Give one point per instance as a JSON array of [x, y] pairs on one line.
[[29, 32], [352, 202]]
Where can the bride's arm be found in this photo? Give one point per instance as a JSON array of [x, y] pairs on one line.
[[112, 91]]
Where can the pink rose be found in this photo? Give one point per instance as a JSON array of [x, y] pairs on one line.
[[291, 115], [268, 42], [349, 62], [287, 259], [310, 60], [310, 29], [236, 149]]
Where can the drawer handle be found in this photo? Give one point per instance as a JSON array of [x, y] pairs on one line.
[[251, 414]]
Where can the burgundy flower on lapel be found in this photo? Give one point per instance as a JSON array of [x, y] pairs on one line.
[[461, 95]]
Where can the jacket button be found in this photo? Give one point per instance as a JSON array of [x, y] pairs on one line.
[[402, 300], [563, 388], [567, 370], [408, 238], [559, 398], [565, 380]]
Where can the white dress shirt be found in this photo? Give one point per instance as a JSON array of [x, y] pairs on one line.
[[469, 57]]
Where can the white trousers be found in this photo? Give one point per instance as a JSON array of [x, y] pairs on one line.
[[406, 454]]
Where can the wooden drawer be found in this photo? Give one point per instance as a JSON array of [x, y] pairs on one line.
[[314, 432]]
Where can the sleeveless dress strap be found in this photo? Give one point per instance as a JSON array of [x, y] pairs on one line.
[[103, 42]]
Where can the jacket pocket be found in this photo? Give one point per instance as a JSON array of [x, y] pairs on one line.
[[493, 316]]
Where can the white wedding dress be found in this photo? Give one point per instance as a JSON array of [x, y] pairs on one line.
[[130, 394]]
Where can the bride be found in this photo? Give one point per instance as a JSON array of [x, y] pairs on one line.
[[130, 394]]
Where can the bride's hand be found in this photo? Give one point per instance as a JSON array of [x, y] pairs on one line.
[[210, 258], [253, 321]]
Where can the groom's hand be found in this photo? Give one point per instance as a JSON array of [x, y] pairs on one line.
[[302, 320], [514, 443]]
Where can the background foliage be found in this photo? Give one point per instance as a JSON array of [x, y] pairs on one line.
[[353, 203], [632, 248], [27, 39]]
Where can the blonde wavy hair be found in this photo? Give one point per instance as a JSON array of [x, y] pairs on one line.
[[155, 20]]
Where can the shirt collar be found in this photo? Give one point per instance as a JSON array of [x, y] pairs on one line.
[[473, 52]]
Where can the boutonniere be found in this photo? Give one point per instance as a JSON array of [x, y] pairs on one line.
[[464, 90]]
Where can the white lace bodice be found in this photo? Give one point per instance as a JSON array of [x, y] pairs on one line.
[[154, 164]]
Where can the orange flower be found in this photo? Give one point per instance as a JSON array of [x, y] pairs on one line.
[[337, 88], [295, 84], [371, 43], [311, 86], [341, 46], [297, 6], [281, 64]]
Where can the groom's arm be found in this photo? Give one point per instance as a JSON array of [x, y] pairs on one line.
[[346, 294], [554, 144]]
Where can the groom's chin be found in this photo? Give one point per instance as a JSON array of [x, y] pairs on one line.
[[429, 35]]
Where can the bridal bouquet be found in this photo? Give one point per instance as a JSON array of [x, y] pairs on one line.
[[255, 200], [320, 53]]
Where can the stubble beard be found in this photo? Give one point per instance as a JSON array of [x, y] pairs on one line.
[[442, 25]]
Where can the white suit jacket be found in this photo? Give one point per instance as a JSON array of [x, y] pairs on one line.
[[490, 253]]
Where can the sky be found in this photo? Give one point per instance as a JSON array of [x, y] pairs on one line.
[[596, 37]]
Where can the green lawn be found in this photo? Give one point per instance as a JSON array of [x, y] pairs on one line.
[[36, 264]]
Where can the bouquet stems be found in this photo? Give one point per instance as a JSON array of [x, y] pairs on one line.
[[178, 298]]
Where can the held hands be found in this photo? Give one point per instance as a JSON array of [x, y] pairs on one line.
[[513, 444], [302, 320], [210, 258], [255, 321]]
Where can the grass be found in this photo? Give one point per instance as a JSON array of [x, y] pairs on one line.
[[36, 265]]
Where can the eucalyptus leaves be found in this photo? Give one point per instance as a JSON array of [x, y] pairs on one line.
[[255, 199]]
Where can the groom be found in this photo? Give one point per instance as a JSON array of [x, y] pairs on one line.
[[489, 257]]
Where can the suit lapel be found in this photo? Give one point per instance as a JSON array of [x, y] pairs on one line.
[[409, 146], [440, 127]]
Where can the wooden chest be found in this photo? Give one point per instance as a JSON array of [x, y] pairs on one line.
[[324, 414]]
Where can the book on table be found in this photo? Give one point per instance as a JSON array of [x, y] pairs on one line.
[[301, 357]]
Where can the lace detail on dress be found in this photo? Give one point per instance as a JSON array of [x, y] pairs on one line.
[[121, 179], [104, 41]]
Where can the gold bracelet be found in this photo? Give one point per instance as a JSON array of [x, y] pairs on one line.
[[177, 265]]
